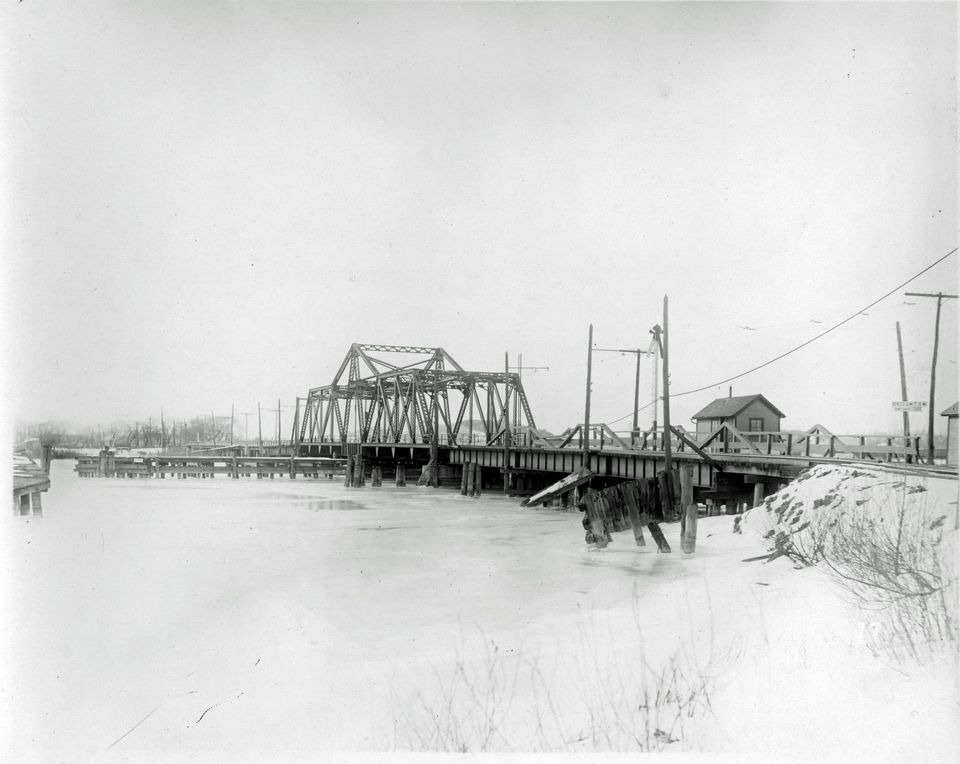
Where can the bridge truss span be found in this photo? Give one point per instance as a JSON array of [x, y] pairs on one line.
[[379, 395]]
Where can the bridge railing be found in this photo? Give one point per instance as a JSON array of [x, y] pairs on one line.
[[817, 442]]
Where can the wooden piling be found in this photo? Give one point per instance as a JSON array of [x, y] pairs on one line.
[[463, 478], [470, 478], [688, 509], [633, 512], [477, 479], [659, 538], [401, 476], [596, 533], [757, 494]]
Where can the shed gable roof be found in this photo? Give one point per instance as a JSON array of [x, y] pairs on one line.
[[951, 411], [727, 407]]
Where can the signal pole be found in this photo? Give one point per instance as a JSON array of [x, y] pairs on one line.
[[940, 296]]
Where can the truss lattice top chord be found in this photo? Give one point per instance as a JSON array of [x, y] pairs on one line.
[[373, 400]]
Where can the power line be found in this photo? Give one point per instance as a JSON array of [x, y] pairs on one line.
[[822, 334], [803, 344]]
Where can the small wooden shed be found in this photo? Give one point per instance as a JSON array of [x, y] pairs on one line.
[[951, 415], [748, 413]]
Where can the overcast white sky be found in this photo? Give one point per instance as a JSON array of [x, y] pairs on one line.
[[205, 203]]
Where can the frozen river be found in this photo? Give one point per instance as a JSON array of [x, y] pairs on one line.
[[275, 619], [278, 614]]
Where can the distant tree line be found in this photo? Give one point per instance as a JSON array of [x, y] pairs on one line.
[[126, 434]]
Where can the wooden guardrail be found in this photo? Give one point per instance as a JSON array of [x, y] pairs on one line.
[[727, 439], [819, 444]]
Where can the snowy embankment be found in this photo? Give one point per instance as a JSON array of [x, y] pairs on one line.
[[778, 641], [235, 618]]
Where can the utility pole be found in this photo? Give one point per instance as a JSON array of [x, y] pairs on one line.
[[636, 388], [245, 415], [903, 386], [231, 424], [277, 410], [259, 431], [434, 476], [520, 368], [506, 424], [586, 410], [655, 347], [660, 335], [295, 429], [667, 437], [933, 369]]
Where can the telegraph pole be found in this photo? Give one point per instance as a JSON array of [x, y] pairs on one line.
[[636, 388], [245, 415], [903, 385], [506, 424], [434, 475], [940, 296], [516, 401], [586, 410], [259, 431], [655, 347], [666, 391]]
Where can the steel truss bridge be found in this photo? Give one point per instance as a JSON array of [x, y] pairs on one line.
[[375, 400], [418, 406]]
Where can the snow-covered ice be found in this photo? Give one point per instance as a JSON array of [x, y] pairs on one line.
[[170, 618]]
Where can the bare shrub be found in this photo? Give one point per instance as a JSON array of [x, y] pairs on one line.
[[886, 554], [467, 708], [623, 703], [894, 568]]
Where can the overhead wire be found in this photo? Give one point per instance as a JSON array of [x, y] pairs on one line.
[[802, 344]]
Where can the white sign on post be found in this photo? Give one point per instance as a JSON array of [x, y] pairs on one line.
[[909, 405]]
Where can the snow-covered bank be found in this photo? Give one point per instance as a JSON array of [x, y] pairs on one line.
[[168, 618]]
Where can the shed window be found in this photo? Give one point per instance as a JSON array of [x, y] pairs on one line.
[[756, 424]]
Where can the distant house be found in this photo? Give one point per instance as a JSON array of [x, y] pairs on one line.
[[951, 415], [748, 413]]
